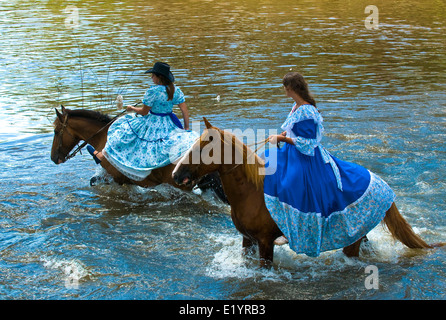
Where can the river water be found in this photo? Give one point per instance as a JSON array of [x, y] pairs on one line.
[[381, 93]]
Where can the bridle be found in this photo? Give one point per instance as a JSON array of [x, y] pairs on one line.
[[261, 144], [61, 132]]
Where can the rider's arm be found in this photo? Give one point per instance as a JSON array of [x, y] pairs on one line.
[[142, 111], [274, 139], [185, 113]]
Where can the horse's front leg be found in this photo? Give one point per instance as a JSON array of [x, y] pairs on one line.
[[248, 246], [266, 251]]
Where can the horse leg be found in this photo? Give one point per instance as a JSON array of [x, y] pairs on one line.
[[248, 246], [266, 252], [353, 249], [401, 230]]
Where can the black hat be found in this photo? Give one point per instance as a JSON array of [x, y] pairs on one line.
[[162, 69]]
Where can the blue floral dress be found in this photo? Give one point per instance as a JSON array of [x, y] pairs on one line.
[[138, 144], [319, 202]]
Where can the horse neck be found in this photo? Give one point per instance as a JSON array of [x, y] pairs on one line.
[[241, 181], [252, 165], [238, 188], [87, 129]]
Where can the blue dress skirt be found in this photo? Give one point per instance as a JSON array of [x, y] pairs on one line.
[[138, 144], [320, 202]]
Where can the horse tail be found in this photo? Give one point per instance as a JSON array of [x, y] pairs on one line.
[[401, 229]]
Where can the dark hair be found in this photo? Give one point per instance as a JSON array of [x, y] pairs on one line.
[[296, 82], [170, 88]]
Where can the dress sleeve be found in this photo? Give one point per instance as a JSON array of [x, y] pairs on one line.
[[149, 97], [304, 127], [178, 96]]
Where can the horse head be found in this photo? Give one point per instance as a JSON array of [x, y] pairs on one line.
[[204, 157], [64, 138], [217, 150]]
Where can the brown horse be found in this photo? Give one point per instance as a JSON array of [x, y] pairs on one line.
[[73, 126], [243, 185]]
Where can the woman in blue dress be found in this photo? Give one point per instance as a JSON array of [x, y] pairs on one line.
[[319, 202], [154, 137]]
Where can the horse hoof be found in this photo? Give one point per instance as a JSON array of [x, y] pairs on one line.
[[197, 190], [93, 181], [97, 180]]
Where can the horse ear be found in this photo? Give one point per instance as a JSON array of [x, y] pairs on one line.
[[59, 115], [63, 108], [207, 123]]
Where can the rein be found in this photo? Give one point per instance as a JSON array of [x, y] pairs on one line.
[[263, 143]]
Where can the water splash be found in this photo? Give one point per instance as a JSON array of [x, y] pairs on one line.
[[73, 271]]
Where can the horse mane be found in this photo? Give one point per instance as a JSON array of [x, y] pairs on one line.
[[89, 114], [252, 164]]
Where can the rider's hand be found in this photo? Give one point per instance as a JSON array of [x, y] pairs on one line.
[[274, 139]]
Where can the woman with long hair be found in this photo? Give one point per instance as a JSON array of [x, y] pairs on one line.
[[154, 137], [319, 202]]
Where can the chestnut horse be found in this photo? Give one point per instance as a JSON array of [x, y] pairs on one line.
[[243, 185], [72, 126]]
